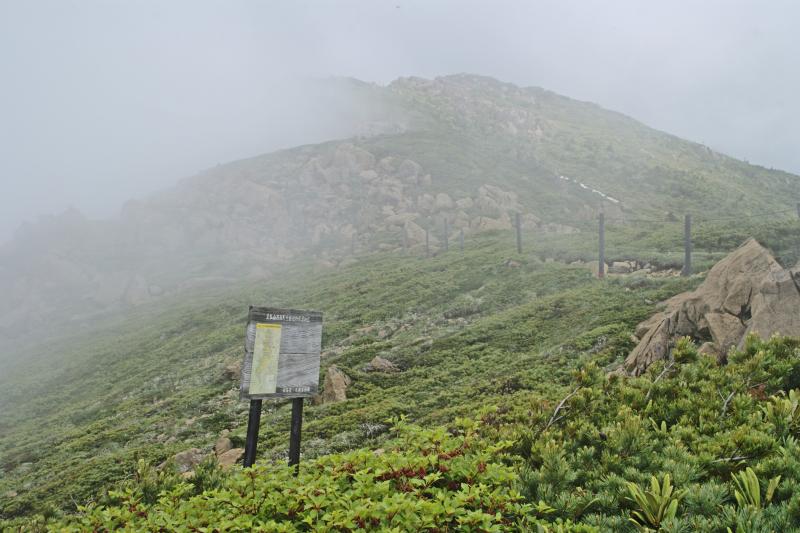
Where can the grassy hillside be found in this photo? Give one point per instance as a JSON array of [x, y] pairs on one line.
[[467, 149], [704, 449], [125, 360], [524, 138], [467, 328]]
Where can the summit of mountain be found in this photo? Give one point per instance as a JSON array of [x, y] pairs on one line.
[[469, 149]]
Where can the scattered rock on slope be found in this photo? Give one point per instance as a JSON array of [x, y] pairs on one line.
[[229, 458], [222, 445], [335, 385], [379, 364], [186, 460], [747, 292]]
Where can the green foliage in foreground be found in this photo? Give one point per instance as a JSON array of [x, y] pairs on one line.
[[422, 480], [704, 448], [467, 330]]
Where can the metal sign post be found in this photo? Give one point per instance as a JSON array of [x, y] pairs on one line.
[[687, 246], [601, 266], [427, 244], [253, 421], [294, 433], [282, 356]]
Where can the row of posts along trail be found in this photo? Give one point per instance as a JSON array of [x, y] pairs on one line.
[[635, 245], [688, 243]]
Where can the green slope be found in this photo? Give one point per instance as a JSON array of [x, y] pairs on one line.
[[443, 143], [524, 138], [101, 388], [152, 383], [703, 449]]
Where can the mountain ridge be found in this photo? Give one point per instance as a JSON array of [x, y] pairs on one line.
[[463, 147]]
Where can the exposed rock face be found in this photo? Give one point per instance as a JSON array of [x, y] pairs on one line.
[[747, 292], [379, 364], [622, 267], [222, 445], [218, 216], [233, 370], [229, 458], [335, 385], [186, 460]]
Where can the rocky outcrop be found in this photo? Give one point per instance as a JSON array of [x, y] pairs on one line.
[[233, 370], [185, 461], [222, 445], [747, 292], [229, 458], [335, 385], [332, 196], [379, 364]]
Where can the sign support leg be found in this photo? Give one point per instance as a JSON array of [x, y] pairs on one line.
[[601, 266], [252, 433], [687, 246], [294, 436]]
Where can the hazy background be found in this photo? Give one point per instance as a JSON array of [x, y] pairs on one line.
[[104, 100]]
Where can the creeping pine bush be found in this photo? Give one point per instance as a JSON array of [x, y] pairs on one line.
[[688, 446], [422, 480]]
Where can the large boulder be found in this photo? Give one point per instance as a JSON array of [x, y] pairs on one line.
[[776, 305], [229, 458], [747, 292], [335, 385], [233, 370], [379, 364], [481, 223], [222, 445], [186, 460]]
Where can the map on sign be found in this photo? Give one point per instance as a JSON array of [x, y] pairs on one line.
[[282, 353], [264, 378]]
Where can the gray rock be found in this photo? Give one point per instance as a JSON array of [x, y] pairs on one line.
[[464, 203], [622, 267], [443, 201], [379, 364], [233, 370], [222, 445], [187, 460], [746, 292], [229, 458], [335, 385]]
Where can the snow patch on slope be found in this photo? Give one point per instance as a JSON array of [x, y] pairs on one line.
[[586, 187]]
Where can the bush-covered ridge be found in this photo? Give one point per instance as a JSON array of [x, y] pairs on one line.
[[689, 446], [467, 328]]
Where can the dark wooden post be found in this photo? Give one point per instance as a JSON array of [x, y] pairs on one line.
[[687, 246], [601, 266], [519, 233], [294, 435], [427, 244], [461, 239], [250, 444], [446, 236]]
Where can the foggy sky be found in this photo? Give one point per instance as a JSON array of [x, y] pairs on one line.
[[104, 100]]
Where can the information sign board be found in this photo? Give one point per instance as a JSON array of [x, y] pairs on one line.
[[282, 353]]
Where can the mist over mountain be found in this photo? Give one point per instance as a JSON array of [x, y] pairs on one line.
[[132, 325], [469, 149], [487, 266]]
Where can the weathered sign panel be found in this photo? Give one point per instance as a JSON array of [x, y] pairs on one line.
[[282, 353]]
